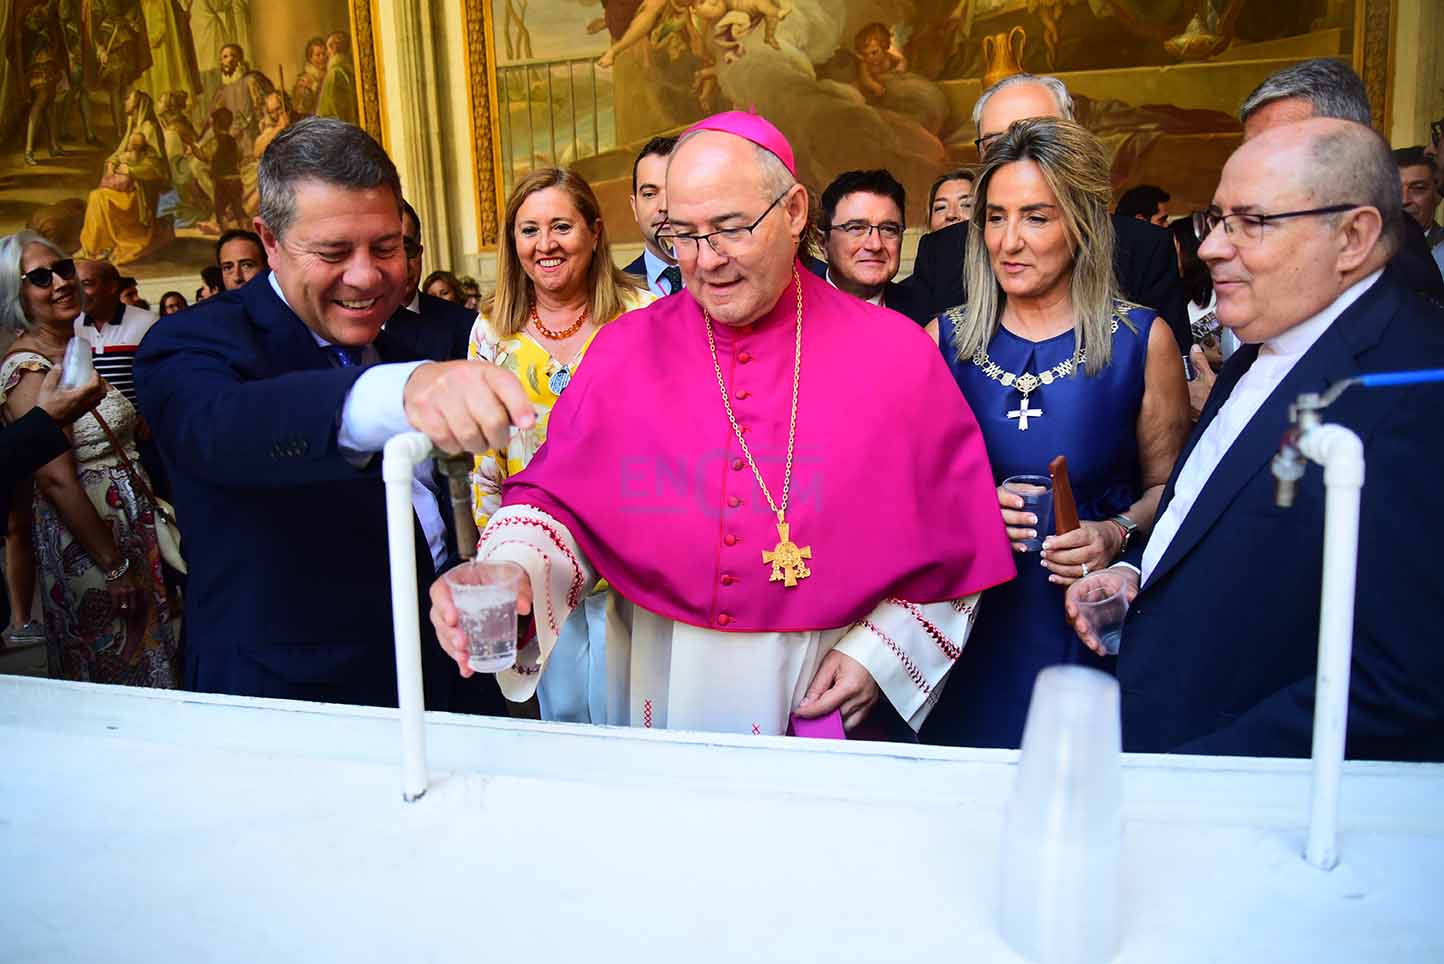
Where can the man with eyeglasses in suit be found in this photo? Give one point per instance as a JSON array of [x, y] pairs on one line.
[[1301, 241], [862, 222]]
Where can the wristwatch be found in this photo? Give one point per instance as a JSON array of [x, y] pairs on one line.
[[1128, 527]]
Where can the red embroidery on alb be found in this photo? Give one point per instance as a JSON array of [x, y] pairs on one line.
[[950, 650], [647, 713], [908, 666], [575, 594], [756, 730], [546, 577]]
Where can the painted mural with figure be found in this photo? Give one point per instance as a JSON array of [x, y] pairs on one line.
[[130, 129], [891, 83]]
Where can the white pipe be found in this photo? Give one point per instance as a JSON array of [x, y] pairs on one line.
[[1341, 454], [402, 454]]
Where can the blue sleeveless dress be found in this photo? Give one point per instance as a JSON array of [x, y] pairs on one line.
[[1093, 421]]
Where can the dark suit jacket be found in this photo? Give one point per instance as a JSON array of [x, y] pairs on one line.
[[25, 446], [289, 593], [638, 267], [1145, 264], [445, 338], [897, 296], [1416, 263], [1220, 648]]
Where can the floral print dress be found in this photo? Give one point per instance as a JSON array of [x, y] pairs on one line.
[[90, 638]]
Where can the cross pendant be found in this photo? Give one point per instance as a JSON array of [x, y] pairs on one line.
[[1023, 412], [786, 559]]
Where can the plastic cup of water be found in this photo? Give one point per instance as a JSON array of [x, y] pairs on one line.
[[484, 594], [1103, 603], [1063, 827], [1037, 493]]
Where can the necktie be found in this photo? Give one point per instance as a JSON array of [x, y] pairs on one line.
[[673, 277], [345, 357]]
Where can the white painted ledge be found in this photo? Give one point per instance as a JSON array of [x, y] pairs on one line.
[[150, 826]]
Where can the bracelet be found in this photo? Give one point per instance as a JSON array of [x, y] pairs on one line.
[[1123, 534], [118, 571]]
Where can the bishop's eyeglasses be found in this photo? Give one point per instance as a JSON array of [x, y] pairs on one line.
[[727, 242], [1248, 227]]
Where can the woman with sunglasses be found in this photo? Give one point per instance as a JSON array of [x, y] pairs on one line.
[[107, 614]]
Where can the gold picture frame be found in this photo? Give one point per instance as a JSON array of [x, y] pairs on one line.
[[368, 70], [485, 125], [1372, 57]]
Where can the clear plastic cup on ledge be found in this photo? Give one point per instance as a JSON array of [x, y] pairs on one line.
[[1063, 828]]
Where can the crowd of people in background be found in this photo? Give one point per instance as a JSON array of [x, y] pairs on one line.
[[1146, 343]]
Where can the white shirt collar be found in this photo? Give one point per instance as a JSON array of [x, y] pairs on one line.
[[276, 287], [414, 306], [874, 300], [655, 266], [1297, 340]]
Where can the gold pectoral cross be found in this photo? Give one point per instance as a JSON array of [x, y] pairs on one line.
[[786, 559]]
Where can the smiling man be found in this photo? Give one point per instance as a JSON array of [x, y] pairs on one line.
[[862, 222], [716, 461], [1299, 241], [263, 402]]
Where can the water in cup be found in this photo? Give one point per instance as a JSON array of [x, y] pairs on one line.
[[75, 370], [1111, 641], [1037, 494], [488, 617], [485, 598]]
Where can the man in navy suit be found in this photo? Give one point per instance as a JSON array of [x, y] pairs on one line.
[[1219, 650], [1145, 261], [454, 321], [649, 206], [263, 401], [862, 221]]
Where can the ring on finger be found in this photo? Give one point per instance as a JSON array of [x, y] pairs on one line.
[[1085, 568]]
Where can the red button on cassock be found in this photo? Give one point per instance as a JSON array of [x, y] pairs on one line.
[[744, 358], [734, 502], [728, 579], [724, 620], [738, 465], [744, 394], [730, 539]]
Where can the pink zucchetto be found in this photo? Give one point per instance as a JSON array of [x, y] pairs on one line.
[[750, 127]]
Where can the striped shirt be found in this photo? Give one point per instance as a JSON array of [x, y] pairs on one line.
[[115, 344]]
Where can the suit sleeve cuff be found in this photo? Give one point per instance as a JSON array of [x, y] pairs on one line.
[[373, 411]]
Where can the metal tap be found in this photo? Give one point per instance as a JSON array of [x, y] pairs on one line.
[[457, 469], [1305, 414]]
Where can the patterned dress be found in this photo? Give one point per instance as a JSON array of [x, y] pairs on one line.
[[535, 367], [574, 687], [90, 639]]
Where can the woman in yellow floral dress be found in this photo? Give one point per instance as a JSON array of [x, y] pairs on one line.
[[556, 286]]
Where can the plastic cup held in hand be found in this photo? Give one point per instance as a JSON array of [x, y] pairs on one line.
[[1103, 604], [484, 594], [75, 370], [1063, 827], [1037, 494]]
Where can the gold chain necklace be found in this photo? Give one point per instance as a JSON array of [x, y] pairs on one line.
[[1026, 382], [786, 558]]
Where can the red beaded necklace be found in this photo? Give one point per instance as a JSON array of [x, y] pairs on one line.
[[565, 333]]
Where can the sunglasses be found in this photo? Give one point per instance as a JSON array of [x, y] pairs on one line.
[[42, 277]]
